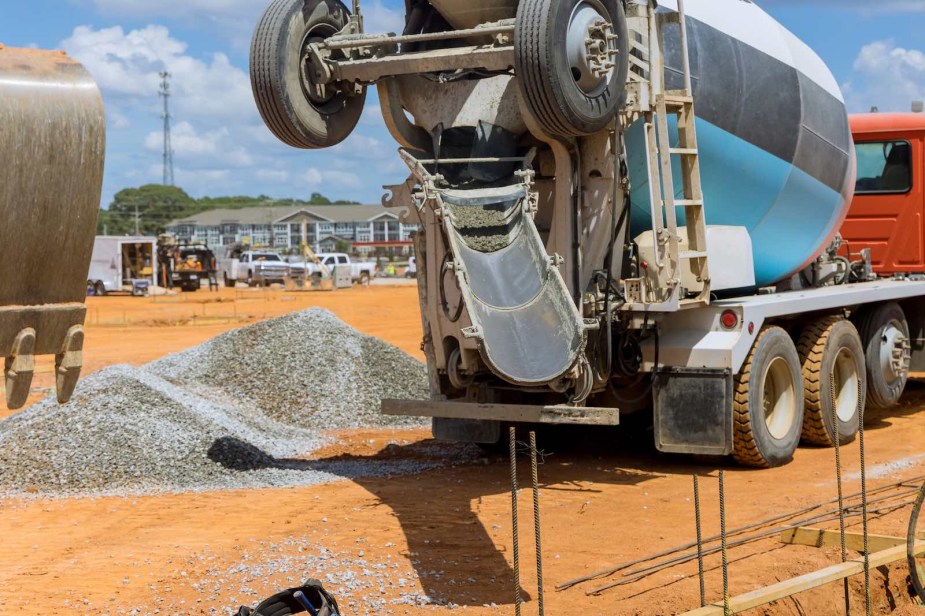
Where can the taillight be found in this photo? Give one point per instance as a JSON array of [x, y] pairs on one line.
[[729, 319]]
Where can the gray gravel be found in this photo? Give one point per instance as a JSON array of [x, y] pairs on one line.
[[307, 368], [485, 228], [235, 412]]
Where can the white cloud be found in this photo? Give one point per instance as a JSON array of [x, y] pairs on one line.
[[203, 149], [127, 66], [863, 6], [234, 18], [886, 76], [338, 182]]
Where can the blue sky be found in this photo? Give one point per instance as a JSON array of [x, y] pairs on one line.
[[222, 148]]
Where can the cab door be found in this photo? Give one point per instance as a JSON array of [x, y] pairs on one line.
[[887, 214]]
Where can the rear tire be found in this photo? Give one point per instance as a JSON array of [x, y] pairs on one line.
[[364, 278], [885, 335], [230, 283], [290, 104], [99, 289], [832, 347], [567, 95], [768, 402]]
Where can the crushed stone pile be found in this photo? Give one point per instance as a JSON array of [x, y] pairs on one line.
[[306, 368], [242, 410]]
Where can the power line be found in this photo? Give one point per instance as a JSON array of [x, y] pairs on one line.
[[164, 92]]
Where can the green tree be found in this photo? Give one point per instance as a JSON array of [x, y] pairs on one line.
[[147, 209]]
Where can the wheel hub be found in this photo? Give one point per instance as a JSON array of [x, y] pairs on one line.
[[894, 353], [592, 49]]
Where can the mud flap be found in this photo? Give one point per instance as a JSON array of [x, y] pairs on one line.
[[693, 411]]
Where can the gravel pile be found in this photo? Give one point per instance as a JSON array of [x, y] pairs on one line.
[[307, 368], [270, 390]]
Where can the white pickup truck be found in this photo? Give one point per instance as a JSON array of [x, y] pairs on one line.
[[360, 271], [256, 267]]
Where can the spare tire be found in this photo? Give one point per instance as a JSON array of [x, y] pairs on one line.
[[562, 53], [300, 112]]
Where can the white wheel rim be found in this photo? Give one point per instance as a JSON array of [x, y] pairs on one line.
[[847, 382], [779, 398], [585, 49]]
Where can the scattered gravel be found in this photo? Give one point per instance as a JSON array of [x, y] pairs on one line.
[[234, 412]]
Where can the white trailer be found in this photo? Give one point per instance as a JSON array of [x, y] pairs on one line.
[[122, 264]]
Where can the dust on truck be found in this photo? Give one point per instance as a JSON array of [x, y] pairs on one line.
[[52, 143], [624, 207]]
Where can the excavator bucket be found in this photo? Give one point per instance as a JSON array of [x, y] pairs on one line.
[[52, 144]]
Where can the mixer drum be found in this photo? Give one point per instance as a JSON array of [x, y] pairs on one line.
[[776, 152]]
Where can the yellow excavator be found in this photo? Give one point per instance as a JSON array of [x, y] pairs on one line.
[[52, 147]]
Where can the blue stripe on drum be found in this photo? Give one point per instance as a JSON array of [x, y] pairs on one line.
[[789, 214]]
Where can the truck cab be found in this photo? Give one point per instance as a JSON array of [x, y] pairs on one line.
[[887, 214]]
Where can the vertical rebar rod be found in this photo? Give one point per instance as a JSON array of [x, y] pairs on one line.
[[864, 502], [516, 547], [536, 524], [836, 437], [697, 520], [722, 532]]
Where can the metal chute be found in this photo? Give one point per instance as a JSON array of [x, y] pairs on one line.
[[528, 328]]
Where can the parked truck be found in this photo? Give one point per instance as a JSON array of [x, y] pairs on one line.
[[122, 264], [360, 271], [255, 267], [624, 207]]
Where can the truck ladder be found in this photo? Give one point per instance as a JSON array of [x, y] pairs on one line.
[[670, 258]]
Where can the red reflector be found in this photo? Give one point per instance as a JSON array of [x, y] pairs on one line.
[[729, 319]]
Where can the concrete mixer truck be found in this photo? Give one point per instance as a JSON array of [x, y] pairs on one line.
[[52, 142], [625, 206]]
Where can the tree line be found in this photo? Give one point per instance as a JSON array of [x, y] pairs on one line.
[[147, 210]]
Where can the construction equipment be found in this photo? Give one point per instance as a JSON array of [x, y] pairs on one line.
[[317, 278], [185, 264], [622, 206], [52, 144]]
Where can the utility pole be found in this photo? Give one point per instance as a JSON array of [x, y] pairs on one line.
[[164, 92], [137, 220]]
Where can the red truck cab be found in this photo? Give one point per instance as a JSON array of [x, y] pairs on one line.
[[887, 214]]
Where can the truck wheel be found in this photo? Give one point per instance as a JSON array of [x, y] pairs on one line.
[[831, 348], [229, 282], [885, 336], [250, 279], [99, 289], [767, 405], [571, 62], [364, 278], [299, 109]]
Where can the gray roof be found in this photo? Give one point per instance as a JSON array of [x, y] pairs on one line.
[[281, 214]]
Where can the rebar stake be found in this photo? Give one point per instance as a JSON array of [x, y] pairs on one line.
[[722, 532], [838, 479], [536, 524], [513, 452], [864, 503], [703, 591]]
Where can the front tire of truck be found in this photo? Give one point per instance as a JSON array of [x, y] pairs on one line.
[[767, 405], [885, 335], [831, 353]]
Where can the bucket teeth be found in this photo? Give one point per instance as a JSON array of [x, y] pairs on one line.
[[19, 368], [68, 363]]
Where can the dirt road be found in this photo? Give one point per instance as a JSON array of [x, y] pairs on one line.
[[421, 544]]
